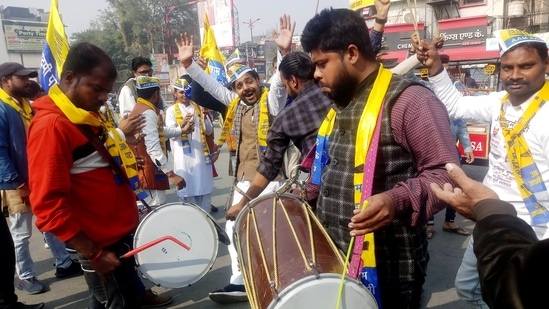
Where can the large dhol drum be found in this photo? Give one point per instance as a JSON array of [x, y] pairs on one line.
[[289, 261], [168, 263]]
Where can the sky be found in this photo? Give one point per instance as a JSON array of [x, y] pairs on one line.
[[77, 14]]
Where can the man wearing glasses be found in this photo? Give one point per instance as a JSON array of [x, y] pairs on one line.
[[127, 96]]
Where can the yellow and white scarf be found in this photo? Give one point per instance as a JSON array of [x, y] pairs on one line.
[[115, 144], [184, 137], [262, 126], [366, 127], [530, 183], [23, 108]]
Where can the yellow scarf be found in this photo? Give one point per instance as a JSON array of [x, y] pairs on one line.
[[366, 128], [160, 124], [262, 126], [115, 144], [185, 139], [522, 163], [109, 115], [24, 109]]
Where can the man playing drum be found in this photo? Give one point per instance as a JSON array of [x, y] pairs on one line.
[[76, 194], [412, 141], [252, 109]]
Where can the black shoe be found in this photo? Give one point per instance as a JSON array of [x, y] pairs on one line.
[[24, 306], [213, 209], [74, 269], [232, 293]]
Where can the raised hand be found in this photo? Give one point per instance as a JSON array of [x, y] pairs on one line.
[[186, 48], [382, 8], [284, 39]]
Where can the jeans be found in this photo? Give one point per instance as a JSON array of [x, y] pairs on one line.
[[121, 288], [58, 250], [21, 231], [467, 279], [450, 216]]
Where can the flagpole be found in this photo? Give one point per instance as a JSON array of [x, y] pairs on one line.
[[317, 1]]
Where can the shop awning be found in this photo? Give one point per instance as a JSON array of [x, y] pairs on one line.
[[473, 54]]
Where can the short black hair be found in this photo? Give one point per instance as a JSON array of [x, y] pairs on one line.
[[147, 93], [540, 47], [139, 61], [298, 64], [333, 30], [84, 57]]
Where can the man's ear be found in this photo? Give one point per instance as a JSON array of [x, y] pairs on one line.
[[352, 53], [68, 78]]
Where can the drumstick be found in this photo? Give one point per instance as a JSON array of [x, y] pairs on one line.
[[347, 259], [152, 243]]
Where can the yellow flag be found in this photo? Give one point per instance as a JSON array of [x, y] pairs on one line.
[[55, 49], [210, 51]]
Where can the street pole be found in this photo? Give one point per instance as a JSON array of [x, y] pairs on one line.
[[251, 25]]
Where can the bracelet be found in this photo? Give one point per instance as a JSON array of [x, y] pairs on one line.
[[382, 21], [95, 257]]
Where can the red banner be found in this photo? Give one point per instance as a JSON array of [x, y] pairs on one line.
[[479, 143]]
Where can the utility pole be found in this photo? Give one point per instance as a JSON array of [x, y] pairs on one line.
[[251, 25]]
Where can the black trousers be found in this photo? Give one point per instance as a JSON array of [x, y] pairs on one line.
[[7, 270]]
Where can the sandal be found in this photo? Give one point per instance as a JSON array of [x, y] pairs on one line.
[[430, 232], [457, 230]]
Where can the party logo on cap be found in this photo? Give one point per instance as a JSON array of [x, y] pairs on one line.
[[235, 57], [180, 84], [236, 71], [146, 82], [184, 85], [510, 38]]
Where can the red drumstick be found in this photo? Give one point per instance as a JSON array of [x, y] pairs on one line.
[[154, 242]]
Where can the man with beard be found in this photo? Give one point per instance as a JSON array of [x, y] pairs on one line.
[[386, 165], [519, 141], [79, 191], [15, 117], [297, 123], [251, 109]]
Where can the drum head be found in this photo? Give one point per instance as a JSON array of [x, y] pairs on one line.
[[323, 292], [168, 264]]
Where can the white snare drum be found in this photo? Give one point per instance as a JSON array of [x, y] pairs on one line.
[[167, 263]]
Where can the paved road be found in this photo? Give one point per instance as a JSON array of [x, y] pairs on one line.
[[445, 249]]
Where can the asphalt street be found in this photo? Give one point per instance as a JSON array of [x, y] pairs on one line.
[[446, 251]]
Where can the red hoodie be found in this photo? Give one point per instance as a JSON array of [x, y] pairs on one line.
[[72, 187]]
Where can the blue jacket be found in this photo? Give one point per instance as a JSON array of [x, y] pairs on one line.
[[13, 149]]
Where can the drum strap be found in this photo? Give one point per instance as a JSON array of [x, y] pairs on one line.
[[100, 147]]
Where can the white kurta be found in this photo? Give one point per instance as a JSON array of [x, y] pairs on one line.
[[192, 167]]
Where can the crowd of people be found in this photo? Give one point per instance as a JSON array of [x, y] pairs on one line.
[[381, 146]]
